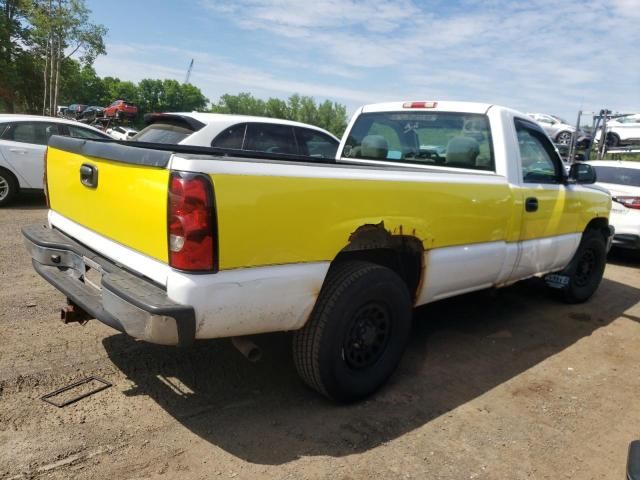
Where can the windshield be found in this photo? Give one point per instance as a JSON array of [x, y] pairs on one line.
[[460, 140], [619, 176]]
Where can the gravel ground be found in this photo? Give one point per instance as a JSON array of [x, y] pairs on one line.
[[504, 384]]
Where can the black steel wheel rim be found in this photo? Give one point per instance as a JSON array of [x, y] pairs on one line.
[[367, 336], [585, 268]]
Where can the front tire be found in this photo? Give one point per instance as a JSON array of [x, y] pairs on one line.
[[357, 333], [563, 138], [8, 187], [586, 268]]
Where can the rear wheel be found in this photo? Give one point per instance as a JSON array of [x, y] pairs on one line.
[[586, 268], [8, 187], [613, 140], [357, 332]]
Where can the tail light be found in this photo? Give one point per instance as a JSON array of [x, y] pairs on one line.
[[191, 223], [629, 202], [44, 178]]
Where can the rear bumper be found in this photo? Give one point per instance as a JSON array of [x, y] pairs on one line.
[[123, 301]]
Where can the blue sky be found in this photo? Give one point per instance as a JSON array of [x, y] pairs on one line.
[[552, 56]]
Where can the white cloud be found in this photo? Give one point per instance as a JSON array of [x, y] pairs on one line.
[[544, 55]]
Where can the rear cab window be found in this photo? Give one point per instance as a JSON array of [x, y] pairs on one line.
[[448, 139]]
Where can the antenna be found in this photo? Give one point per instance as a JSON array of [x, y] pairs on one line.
[[186, 79]]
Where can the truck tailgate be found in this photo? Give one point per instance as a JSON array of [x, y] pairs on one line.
[[127, 204]]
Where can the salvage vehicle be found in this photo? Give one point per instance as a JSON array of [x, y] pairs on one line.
[[121, 109], [121, 133], [239, 133], [622, 179], [623, 130], [74, 111], [174, 243], [560, 131], [23, 142]]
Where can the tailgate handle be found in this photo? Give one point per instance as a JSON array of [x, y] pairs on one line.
[[89, 175]]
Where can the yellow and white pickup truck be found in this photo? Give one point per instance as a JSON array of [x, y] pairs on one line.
[[424, 200]]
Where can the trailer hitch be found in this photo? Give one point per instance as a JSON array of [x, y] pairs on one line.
[[72, 313]]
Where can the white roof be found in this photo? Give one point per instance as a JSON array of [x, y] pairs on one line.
[[441, 106], [13, 117], [222, 120]]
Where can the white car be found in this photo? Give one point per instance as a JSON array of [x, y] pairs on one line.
[[622, 179], [239, 133], [23, 141], [622, 130], [122, 133]]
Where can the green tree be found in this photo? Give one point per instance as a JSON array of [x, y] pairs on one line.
[[14, 61], [62, 30]]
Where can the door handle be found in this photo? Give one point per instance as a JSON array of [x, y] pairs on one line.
[[531, 204], [89, 175], [17, 150]]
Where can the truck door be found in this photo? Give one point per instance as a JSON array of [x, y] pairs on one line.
[[548, 234]]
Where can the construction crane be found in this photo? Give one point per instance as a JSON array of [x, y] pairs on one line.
[[186, 79]]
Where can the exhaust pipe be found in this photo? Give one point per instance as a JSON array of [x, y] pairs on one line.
[[246, 347]]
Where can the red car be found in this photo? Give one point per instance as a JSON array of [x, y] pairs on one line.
[[121, 109]]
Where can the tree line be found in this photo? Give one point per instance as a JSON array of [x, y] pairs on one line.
[[47, 51]]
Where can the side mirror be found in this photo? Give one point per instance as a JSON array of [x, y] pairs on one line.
[[582, 173]]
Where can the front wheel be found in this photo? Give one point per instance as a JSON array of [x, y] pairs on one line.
[[357, 332], [564, 138], [586, 268]]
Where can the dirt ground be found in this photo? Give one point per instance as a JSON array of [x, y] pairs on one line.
[[505, 384]]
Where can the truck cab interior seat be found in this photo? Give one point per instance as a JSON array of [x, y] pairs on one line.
[[462, 152], [375, 147]]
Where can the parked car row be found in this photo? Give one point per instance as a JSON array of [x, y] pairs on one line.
[[119, 109]]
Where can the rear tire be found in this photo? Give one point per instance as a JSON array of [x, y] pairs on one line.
[[357, 333], [586, 268], [613, 140], [8, 187]]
